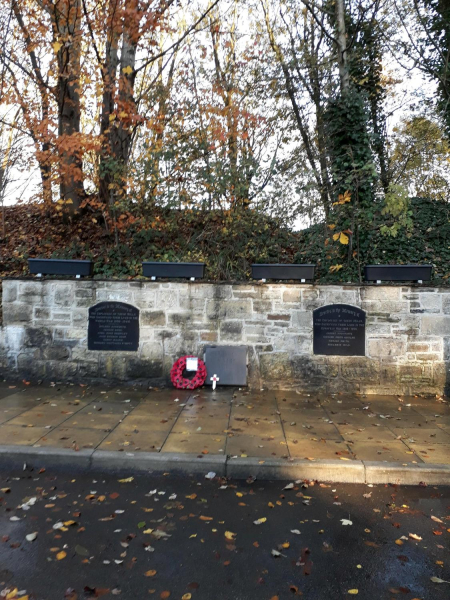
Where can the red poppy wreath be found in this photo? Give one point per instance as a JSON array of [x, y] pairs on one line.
[[183, 383]]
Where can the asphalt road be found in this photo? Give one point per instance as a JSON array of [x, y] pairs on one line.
[[167, 537]]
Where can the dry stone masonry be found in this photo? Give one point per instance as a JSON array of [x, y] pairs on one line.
[[407, 334]]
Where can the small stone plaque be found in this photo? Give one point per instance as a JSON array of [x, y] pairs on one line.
[[113, 326], [340, 330], [229, 363]]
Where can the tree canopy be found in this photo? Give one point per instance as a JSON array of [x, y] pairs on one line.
[[142, 116]]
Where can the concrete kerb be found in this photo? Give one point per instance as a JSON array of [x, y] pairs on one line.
[[40, 457], [335, 471], [321, 470], [159, 462], [378, 472]]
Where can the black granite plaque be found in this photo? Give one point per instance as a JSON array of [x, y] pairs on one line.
[[340, 330], [229, 363], [113, 326]]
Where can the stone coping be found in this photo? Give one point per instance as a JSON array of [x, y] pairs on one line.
[[247, 282]]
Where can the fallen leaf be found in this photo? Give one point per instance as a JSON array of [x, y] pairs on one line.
[[353, 592], [127, 480], [61, 555], [414, 536], [150, 573], [187, 596], [346, 522], [230, 535], [31, 536], [165, 595], [260, 521], [433, 518], [81, 551], [438, 580]]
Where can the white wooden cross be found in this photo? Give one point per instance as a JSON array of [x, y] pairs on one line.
[[214, 380]]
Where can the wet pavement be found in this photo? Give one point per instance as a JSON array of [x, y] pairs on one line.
[[228, 422], [94, 536]]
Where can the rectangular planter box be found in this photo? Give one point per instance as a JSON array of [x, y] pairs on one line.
[[173, 270], [283, 271], [55, 266], [397, 272]]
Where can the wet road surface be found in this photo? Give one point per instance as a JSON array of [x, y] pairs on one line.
[[165, 537]]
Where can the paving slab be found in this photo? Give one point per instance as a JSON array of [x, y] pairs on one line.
[[336, 437]]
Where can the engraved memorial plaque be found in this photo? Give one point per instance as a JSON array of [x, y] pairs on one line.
[[113, 326], [340, 330]]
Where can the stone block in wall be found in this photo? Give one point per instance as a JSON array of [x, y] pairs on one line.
[[153, 318], [42, 313], [441, 376], [334, 295], [386, 309], [231, 331], [435, 325], [431, 303], [37, 337], [13, 338], [229, 309], [275, 366], [427, 357], [381, 293], [446, 304], [292, 296], [152, 350], [84, 293], [270, 292], [208, 336], [313, 371], [16, 313], [262, 306], [279, 317], [416, 373], [246, 291], [74, 333], [143, 299], [355, 368], [56, 352], [87, 370], [9, 291], [302, 319], [137, 368], [63, 295], [80, 317], [113, 366], [167, 299], [384, 347], [113, 295]]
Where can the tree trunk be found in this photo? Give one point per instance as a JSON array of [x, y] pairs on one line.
[[66, 18], [341, 46]]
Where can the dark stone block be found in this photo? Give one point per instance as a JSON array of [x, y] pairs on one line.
[[56, 353], [37, 337], [143, 369]]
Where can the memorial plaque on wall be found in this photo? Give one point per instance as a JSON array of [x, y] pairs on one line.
[[113, 326], [340, 330]]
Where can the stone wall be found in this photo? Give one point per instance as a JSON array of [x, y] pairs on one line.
[[44, 333]]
